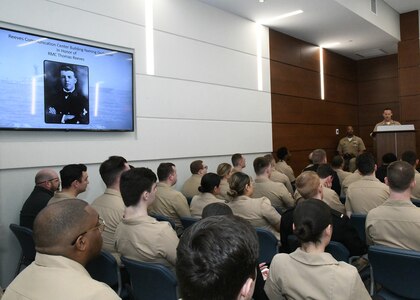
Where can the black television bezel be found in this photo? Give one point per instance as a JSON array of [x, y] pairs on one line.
[[69, 39]]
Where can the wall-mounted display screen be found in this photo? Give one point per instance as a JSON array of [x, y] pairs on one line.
[[54, 84]]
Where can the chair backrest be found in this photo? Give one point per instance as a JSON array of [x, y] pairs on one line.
[[164, 218], [150, 281], [397, 270], [25, 237], [416, 202], [359, 222], [268, 245], [338, 251], [104, 268], [188, 221]]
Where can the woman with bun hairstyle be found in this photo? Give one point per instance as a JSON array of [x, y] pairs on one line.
[[209, 189], [258, 211], [309, 272], [224, 170]]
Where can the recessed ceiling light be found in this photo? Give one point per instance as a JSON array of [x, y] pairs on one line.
[[261, 1], [283, 16], [330, 45]]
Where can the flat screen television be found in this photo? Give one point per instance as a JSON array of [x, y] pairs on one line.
[[55, 84]]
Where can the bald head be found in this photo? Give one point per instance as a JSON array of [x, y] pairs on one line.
[[48, 179]]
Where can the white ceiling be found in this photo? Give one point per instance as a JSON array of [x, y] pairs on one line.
[[327, 21]]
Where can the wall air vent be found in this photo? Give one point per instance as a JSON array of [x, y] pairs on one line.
[[371, 53]]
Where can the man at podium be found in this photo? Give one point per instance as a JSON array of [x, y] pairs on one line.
[[387, 114]]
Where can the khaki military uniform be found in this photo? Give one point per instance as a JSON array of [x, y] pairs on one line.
[[276, 176], [353, 146], [287, 170], [365, 194], [383, 123], [349, 180], [415, 193], [258, 211], [342, 175], [224, 188], [200, 201], [171, 203], [110, 207], [396, 223], [302, 275], [147, 240], [275, 191], [57, 277], [329, 196], [60, 196], [190, 187]]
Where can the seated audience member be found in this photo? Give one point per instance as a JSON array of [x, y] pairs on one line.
[[46, 184], [310, 272], [238, 162], [110, 205], [74, 180], [319, 156], [326, 173], [350, 179], [276, 176], [309, 186], [209, 189], [216, 209], [367, 192], [190, 187], [258, 211], [67, 236], [169, 202], [387, 158], [284, 155], [396, 223], [217, 259], [337, 163], [278, 194], [411, 158], [139, 236], [224, 170]]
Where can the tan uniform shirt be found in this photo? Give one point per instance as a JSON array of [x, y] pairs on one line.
[[224, 188], [171, 203], [200, 201], [190, 187], [59, 196], [342, 174], [110, 207], [396, 223], [258, 211], [147, 240], [329, 196], [349, 180], [57, 277], [275, 191], [353, 146], [276, 176], [365, 194], [383, 123], [415, 193], [287, 170], [302, 275]]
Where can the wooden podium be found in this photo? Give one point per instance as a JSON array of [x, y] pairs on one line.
[[395, 139]]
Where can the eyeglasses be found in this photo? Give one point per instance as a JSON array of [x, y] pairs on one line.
[[49, 180], [100, 226]]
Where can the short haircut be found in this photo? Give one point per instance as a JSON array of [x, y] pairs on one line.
[[324, 170], [216, 209], [236, 159], [224, 169], [410, 157], [237, 184], [70, 173], [318, 156], [164, 170], [387, 108], [260, 165], [307, 184], [67, 68], [134, 182], [311, 217], [282, 152], [215, 257], [196, 166], [208, 182], [337, 161], [59, 222], [111, 169], [44, 175], [400, 174], [388, 158], [365, 163], [270, 158]]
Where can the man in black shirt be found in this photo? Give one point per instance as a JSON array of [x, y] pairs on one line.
[[46, 183]]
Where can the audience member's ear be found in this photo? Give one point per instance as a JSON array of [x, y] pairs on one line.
[[376, 167], [247, 289], [386, 181], [413, 184]]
